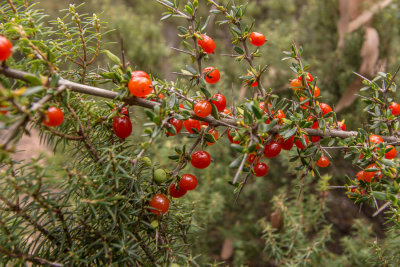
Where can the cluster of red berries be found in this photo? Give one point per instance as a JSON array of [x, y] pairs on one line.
[[372, 172], [159, 204], [53, 116]]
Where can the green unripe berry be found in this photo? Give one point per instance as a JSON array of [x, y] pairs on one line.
[[160, 176], [146, 161]]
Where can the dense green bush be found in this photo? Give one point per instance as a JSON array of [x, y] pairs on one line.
[[92, 209]]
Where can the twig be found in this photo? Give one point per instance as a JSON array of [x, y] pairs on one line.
[[29, 257], [175, 10], [383, 207], [182, 51]]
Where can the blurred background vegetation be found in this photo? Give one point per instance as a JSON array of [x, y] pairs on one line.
[[319, 228]]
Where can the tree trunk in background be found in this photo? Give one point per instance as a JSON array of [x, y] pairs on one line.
[[350, 20]]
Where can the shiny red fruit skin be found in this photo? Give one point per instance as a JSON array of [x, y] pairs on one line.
[[360, 176], [306, 104], [200, 159], [392, 153], [296, 84], [122, 126], [177, 124], [395, 107], [257, 39], [124, 111], [325, 108], [341, 125], [176, 193], [227, 112], [368, 176], [53, 117], [260, 169], [159, 204], [220, 103], [202, 108], [323, 162], [139, 73], [207, 43], [254, 84], [376, 139], [315, 125], [300, 145], [5, 48], [213, 76], [309, 78], [140, 86], [272, 149], [317, 92], [188, 182], [286, 144], [214, 133], [192, 123], [251, 157], [230, 137]]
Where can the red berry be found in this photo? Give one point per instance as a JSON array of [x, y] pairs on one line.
[[188, 182], [140, 86], [279, 115], [272, 149], [341, 125], [286, 144], [5, 48], [200, 159], [376, 139], [262, 106], [53, 117], [323, 162], [369, 175], [204, 123], [3, 109], [392, 153], [306, 104], [124, 111], [207, 43], [227, 112], [257, 39], [315, 125], [214, 133], [254, 84], [251, 157], [202, 108], [260, 169], [192, 123], [309, 78], [175, 192], [212, 76], [139, 73], [220, 102], [296, 84], [317, 92], [122, 126], [325, 108], [300, 145], [395, 107], [230, 137], [159, 204], [360, 175], [177, 124]]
